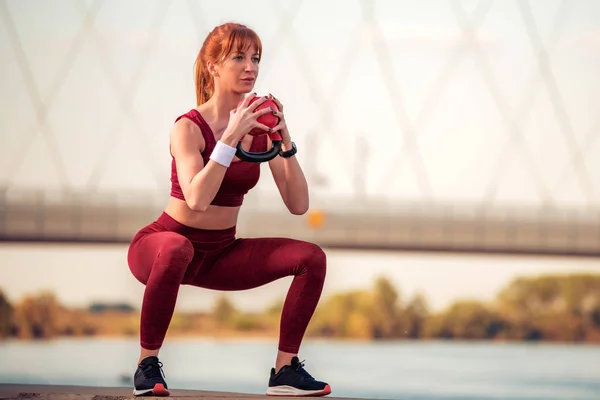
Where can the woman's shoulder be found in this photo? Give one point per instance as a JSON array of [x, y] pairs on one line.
[[187, 130], [190, 117]]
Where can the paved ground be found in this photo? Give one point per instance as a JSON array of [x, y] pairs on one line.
[[50, 392]]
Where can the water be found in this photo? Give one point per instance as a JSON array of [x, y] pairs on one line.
[[393, 370]]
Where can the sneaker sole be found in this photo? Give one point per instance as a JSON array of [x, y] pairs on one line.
[[157, 390], [295, 392]]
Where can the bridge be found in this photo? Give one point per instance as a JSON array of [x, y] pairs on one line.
[[415, 131], [335, 223]]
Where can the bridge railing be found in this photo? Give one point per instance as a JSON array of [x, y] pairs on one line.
[[38, 215]]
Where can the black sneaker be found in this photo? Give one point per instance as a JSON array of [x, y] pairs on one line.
[[148, 378], [293, 380]]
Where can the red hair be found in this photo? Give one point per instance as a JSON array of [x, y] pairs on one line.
[[219, 43]]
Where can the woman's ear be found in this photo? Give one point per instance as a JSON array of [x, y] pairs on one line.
[[212, 69]]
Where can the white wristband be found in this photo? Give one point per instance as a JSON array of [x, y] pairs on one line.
[[223, 154]]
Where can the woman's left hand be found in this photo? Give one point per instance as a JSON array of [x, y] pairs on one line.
[[281, 126]]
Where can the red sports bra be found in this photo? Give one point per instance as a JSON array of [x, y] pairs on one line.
[[240, 177]]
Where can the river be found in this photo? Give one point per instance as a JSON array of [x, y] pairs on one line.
[[394, 370], [80, 274]]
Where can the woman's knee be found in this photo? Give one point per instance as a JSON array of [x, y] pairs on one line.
[[174, 251], [314, 259]]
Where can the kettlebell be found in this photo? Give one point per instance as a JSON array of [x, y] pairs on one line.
[[269, 120]]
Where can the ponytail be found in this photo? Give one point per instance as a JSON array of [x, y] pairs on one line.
[[205, 86]]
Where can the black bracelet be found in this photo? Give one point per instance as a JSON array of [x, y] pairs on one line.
[[289, 153]]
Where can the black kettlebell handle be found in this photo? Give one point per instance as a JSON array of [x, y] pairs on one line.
[[258, 157]]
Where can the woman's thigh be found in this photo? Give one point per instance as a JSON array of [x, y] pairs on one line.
[[253, 262]]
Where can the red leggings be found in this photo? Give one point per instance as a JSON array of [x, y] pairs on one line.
[[167, 254]]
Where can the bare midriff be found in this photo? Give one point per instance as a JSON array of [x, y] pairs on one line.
[[214, 217]]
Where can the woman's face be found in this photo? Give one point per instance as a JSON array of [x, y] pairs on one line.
[[239, 70]]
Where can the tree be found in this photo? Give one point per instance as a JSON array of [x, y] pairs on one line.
[[556, 307], [466, 319], [6, 316], [343, 315], [224, 310], [386, 315], [37, 316], [415, 316]]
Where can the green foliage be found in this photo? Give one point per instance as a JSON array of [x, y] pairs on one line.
[[6, 316], [275, 309], [361, 314], [342, 316], [224, 311], [554, 307], [386, 312], [37, 317], [550, 307], [103, 307], [466, 320], [181, 322], [415, 314], [248, 322]]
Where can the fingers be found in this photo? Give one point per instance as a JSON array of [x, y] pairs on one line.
[[281, 125], [278, 114], [246, 101], [279, 105], [262, 126], [281, 120], [257, 103], [264, 111]]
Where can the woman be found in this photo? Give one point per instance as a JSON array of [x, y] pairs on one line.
[[193, 241]]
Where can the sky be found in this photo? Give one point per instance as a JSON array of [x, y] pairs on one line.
[[89, 107], [112, 91]]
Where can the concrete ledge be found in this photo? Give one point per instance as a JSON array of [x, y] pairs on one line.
[[52, 392]]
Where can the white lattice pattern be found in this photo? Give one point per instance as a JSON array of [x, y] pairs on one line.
[[486, 102]]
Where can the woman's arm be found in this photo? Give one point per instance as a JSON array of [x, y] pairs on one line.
[[287, 172], [199, 183], [291, 182]]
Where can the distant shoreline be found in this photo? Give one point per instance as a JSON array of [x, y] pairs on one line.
[[548, 308], [273, 339]]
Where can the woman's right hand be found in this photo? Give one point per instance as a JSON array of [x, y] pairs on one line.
[[243, 119]]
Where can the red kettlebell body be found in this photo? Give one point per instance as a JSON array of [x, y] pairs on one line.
[[267, 119]]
